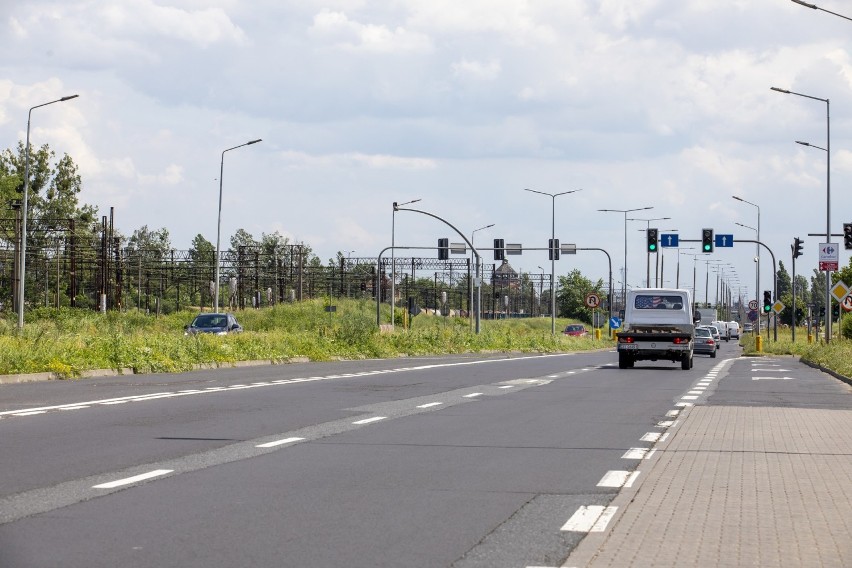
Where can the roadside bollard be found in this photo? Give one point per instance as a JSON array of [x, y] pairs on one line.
[[758, 344], [597, 334]]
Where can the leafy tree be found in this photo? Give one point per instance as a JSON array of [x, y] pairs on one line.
[[571, 295], [150, 244], [784, 282]]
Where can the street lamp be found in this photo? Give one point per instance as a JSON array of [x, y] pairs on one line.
[[757, 257], [553, 197], [393, 257], [815, 7], [647, 252], [476, 274], [219, 221], [827, 150], [624, 275], [25, 210]]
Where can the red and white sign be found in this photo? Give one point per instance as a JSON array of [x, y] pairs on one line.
[[829, 256], [846, 304], [593, 300]]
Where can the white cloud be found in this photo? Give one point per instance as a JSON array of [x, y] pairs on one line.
[[338, 29], [477, 69], [355, 159]]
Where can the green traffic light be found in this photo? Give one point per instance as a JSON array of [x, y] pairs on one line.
[[652, 247], [706, 248]]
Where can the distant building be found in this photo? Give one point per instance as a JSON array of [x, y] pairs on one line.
[[504, 276]]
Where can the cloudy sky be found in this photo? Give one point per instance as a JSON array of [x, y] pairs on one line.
[[460, 103]]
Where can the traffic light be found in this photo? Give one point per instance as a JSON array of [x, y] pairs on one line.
[[797, 247], [499, 249], [847, 236], [443, 249], [835, 311], [767, 301], [706, 240], [652, 240], [553, 249]]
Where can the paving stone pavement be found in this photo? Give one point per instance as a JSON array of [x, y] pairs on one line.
[[737, 486]]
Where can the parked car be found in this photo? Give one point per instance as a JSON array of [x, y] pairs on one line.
[[716, 336], [220, 324], [576, 330], [734, 328], [704, 342]]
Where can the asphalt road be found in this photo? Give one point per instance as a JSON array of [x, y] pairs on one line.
[[450, 461]]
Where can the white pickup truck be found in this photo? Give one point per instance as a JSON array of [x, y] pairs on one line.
[[658, 324]]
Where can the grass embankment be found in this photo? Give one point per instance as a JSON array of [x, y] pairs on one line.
[[837, 355], [67, 342]]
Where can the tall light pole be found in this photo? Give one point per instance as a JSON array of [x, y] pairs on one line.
[[757, 255], [219, 222], [647, 252], [624, 274], [553, 197], [827, 196], [25, 211], [393, 257], [476, 274]]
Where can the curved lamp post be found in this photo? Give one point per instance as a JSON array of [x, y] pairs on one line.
[[23, 267], [219, 221], [757, 251], [624, 275], [393, 257], [553, 197], [827, 150], [476, 273]]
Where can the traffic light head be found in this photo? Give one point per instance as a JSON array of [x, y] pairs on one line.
[[847, 236], [499, 249], [797, 247], [652, 240], [706, 240], [767, 301], [553, 249], [443, 249]]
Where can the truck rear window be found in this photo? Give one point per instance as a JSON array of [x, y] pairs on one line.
[[655, 302]]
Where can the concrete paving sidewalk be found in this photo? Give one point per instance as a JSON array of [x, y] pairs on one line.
[[737, 486]]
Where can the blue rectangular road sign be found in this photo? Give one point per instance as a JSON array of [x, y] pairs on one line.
[[668, 240], [724, 240]]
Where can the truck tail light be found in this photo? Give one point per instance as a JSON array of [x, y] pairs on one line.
[[626, 340], [681, 340]]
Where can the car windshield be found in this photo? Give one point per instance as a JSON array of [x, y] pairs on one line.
[[574, 328], [209, 320]]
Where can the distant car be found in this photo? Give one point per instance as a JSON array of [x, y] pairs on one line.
[[576, 330], [220, 324], [734, 328], [715, 331], [748, 328], [704, 342]]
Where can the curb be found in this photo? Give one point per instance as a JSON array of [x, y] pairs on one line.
[[93, 373], [834, 374]]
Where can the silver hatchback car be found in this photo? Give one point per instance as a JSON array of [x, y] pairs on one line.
[[704, 342], [717, 337]]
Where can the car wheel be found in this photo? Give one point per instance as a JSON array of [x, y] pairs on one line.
[[686, 362], [713, 355]]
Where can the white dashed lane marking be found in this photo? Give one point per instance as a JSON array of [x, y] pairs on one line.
[[134, 479], [618, 479], [431, 404], [279, 442], [370, 420], [590, 518]]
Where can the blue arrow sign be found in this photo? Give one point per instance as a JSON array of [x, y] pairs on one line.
[[668, 240], [614, 323], [724, 240]]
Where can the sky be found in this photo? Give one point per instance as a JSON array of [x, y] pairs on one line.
[[461, 104]]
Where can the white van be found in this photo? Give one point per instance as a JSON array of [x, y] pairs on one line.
[[734, 328], [724, 329]]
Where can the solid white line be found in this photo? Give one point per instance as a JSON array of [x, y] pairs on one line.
[[134, 479], [369, 420], [73, 407], [279, 442], [473, 394], [430, 404], [507, 386], [30, 413], [590, 518]]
